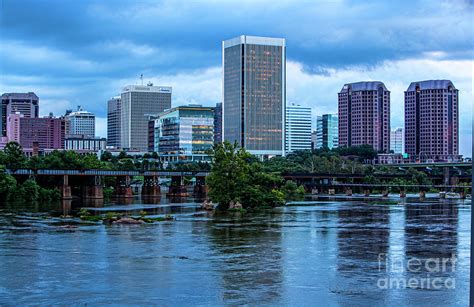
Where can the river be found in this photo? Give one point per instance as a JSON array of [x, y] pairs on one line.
[[318, 253]]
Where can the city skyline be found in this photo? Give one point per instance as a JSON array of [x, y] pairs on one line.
[[89, 67]]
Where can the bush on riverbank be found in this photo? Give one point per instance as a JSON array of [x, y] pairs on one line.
[[292, 191], [11, 190]]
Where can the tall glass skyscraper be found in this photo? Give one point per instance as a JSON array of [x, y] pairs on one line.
[[254, 93], [138, 104], [185, 133], [327, 131], [298, 128]]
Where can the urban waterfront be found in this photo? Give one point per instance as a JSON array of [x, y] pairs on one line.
[[321, 251]]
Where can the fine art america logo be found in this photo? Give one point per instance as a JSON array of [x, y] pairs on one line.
[[417, 273]]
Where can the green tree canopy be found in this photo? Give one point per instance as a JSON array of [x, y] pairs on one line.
[[236, 176], [14, 156]]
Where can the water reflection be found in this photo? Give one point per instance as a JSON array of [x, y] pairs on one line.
[[431, 238], [363, 235], [250, 258], [327, 254]]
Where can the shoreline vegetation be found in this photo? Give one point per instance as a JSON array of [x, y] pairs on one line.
[[237, 181]]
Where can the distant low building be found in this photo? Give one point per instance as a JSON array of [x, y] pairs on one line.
[[82, 144], [184, 134], [395, 158]]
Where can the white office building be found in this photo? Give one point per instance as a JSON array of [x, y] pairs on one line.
[[80, 122], [396, 140], [138, 104], [298, 128], [84, 144]]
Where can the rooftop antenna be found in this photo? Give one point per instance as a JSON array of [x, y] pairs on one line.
[[141, 78]]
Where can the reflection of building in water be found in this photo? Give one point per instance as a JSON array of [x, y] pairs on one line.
[[250, 258], [431, 230], [431, 236], [363, 234]]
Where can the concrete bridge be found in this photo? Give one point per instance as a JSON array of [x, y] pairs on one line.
[[91, 181], [448, 177], [366, 188]]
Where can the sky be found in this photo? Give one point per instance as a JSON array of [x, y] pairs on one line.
[[74, 53]]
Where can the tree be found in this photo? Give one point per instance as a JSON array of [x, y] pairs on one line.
[[237, 176], [106, 156], [292, 191], [229, 171], [7, 185], [29, 190], [14, 155]]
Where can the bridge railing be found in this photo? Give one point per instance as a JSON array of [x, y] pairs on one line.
[[97, 172], [387, 185]]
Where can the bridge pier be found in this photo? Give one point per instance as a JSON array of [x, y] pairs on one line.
[[151, 187], [446, 175], [200, 189], [403, 194], [348, 191], [123, 188], [366, 192], [65, 189], [385, 193], [94, 191], [314, 191], [422, 195], [332, 191], [177, 187]]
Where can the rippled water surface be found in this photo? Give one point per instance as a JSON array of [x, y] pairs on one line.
[[326, 253]]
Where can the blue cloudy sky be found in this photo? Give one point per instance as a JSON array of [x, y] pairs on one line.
[[83, 52]]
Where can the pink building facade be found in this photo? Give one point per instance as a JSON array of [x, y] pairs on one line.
[[432, 121], [364, 115], [13, 127], [48, 132]]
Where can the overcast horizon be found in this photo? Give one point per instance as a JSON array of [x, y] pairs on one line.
[[84, 52]]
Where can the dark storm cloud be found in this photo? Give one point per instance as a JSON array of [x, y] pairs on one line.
[[187, 34]]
